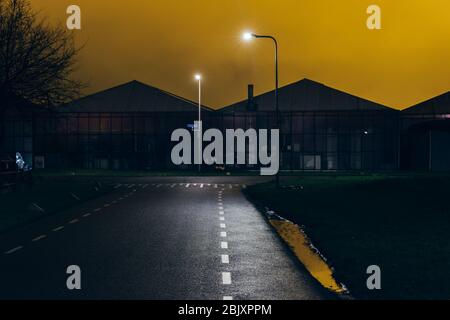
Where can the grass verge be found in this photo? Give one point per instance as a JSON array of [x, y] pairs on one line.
[[401, 224], [24, 204]]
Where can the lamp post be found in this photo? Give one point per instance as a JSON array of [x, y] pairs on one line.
[[198, 77], [247, 36]]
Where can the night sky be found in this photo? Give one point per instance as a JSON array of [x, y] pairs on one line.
[[164, 42]]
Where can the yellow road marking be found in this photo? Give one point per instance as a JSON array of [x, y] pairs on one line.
[[313, 262]]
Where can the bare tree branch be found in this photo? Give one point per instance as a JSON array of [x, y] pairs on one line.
[[36, 59]]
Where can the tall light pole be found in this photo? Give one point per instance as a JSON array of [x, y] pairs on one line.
[[198, 77], [247, 36]]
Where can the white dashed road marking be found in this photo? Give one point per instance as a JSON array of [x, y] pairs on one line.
[[224, 245], [223, 234], [58, 229], [226, 277], [39, 238], [222, 218], [221, 212], [74, 221], [225, 259], [223, 226], [14, 250], [86, 215], [227, 298]]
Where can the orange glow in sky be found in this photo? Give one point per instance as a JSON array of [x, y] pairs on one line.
[[165, 42]]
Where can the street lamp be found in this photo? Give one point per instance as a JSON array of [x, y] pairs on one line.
[[248, 36], [198, 77]]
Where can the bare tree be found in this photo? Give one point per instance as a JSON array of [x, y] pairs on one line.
[[36, 58]]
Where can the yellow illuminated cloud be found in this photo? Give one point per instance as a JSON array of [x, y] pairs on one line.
[[164, 42]]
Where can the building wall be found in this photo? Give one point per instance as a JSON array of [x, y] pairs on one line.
[[311, 141], [425, 142]]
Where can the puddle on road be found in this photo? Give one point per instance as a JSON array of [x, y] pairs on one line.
[[313, 262]]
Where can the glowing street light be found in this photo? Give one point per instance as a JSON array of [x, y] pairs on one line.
[[247, 36]]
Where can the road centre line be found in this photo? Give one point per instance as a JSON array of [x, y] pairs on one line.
[[223, 234], [226, 278], [222, 218], [58, 229], [86, 215], [224, 245], [223, 226], [73, 221], [225, 259]]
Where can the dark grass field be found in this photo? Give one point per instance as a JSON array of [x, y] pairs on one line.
[[401, 224], [50, 194]]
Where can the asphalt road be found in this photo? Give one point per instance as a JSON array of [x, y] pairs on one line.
[[153, 238]]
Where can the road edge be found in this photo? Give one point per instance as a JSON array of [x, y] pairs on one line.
[[294, 237]]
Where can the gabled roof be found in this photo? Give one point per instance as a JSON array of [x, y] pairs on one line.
[[436, 105], [308, 95], [133, 96]]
